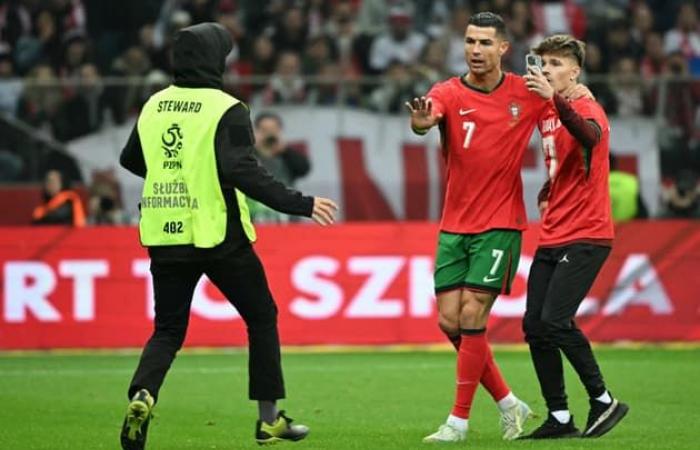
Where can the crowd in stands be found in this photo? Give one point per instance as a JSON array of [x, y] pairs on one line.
[[67, 66]]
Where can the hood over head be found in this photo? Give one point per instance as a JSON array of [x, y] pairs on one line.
[[199, 55]]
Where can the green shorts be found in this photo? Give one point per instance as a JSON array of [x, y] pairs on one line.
[[484, 261]]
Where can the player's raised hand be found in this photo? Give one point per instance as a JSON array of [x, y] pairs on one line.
[[422, 117], [324, 211], [537, 83]]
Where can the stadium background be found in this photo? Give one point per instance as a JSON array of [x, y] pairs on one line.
[[73, 76], [75, 73]]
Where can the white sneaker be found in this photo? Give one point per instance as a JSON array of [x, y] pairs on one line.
[[513, 418], [446, 433]]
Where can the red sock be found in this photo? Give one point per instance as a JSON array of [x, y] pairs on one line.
[[492, 379], [471, 359]]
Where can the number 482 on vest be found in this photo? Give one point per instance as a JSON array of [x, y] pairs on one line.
[[172, 227]]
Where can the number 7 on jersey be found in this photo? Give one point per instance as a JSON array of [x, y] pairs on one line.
[[469, 127]]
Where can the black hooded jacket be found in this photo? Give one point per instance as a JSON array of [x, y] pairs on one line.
[[199, 53]]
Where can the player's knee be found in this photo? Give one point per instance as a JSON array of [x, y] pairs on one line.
[[473, 315], [448, 324]]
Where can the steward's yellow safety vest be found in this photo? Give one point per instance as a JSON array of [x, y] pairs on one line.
[[182, 202]]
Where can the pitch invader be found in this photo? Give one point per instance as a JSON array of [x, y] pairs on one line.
[[575, 240], [486, 118]]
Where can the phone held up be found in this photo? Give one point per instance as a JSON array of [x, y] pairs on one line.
[[533, 62]]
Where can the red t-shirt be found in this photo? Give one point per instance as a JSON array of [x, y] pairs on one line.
[[484, 137], [579, 198]]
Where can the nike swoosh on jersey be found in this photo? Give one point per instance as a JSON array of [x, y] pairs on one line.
[[490, 280], [464, 112]]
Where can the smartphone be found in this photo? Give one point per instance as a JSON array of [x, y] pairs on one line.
[[533, 62]]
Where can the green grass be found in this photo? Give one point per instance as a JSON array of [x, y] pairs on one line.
[[372, 400]]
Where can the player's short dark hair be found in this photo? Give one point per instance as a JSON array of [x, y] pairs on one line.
[[563, 45], [488, 19], [268, 115]]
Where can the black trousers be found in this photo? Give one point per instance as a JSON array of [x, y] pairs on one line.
[[559, 280], [240, 276]]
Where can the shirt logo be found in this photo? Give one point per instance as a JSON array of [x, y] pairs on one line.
[[488, 279], [564, 259], [464, 112], [514, 109]]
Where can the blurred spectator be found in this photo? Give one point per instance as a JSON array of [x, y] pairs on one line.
[[680, 110], [319, 52], [286, 84], [684, 37], [343, 30], [334, 88], [240, 44], [75, 53], [371, 18], [523, 37], [599, 86], [682, 96], [317, 13], [628, 89], [44, 44], [400, 43], [15, 21], [105, 206], [41, 97], [654, 60], [291, 33], [681, 200], [70, 14], [263, 58], [284, 163], [60, 206], [625, 196], [454, 38], [10, 87], [396, 89], [431, 67], [125, 99], [642, 24], [159, 56], [619, 44], [81, 113]]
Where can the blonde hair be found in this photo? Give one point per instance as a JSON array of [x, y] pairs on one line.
[[564, 45]]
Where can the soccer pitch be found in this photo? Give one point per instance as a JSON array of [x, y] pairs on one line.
[[351, 400]]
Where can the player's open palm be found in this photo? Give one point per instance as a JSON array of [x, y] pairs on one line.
[[422, 117], [324, 211]]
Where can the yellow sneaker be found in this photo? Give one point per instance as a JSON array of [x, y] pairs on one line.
[[138, 416], [281, 430]]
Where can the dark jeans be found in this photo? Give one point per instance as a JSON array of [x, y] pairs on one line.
[[559, 280], [240, 276]]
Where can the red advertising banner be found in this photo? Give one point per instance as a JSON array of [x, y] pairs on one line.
[[347, 284]]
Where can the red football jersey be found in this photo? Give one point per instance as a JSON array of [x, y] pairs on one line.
[[484, 136], [579, 197]]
